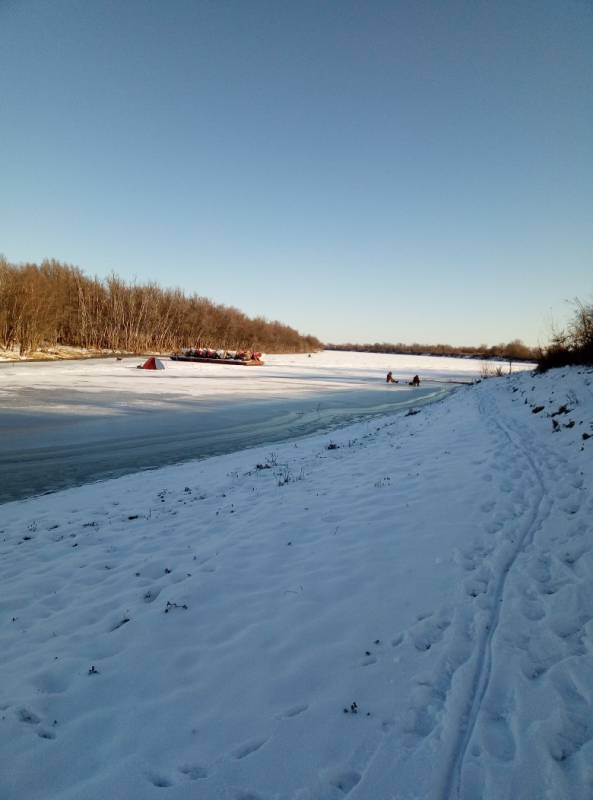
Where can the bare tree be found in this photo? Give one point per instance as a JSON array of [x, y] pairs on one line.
[[54, 303]]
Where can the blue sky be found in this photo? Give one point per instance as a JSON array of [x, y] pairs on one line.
[[363, 171]]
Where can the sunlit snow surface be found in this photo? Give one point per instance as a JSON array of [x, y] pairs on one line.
[[71, 422], [114, 385], [207, 630]]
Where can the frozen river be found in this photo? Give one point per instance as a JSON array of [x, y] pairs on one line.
[[67, 423]]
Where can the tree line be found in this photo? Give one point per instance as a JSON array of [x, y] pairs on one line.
[[49, 304], [515, 350]]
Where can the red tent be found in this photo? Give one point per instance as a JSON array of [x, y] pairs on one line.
[[152, 363]]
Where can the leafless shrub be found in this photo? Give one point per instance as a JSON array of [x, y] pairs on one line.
[[488, 370], [573, 345], [285, 475]]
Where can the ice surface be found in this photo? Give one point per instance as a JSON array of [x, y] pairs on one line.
[[72, 422]]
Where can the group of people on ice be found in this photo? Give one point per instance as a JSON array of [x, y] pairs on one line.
[[414, 382]]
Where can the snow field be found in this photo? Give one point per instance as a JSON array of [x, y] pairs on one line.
[[403, 610]]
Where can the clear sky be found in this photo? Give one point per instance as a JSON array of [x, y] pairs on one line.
[[411, 170]]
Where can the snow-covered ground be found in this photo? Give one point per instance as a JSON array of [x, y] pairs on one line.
[[403, 609]]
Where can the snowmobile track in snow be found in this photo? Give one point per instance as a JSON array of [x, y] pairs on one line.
[[453, 780]]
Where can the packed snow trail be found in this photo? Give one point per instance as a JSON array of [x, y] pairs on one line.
[[543, 633], [401, 612], [454, 786]]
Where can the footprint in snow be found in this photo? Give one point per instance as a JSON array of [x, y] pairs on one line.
[[194, 772], [343, 779], [571, 506], [159, 780], [475, 587], [428, 632], [248, 748], [532, 609], [28, 717], [497, 738], [293, 711], [151, 594], [494, 526], [532, 668]]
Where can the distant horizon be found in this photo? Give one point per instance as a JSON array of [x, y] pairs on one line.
[[376, 172], [424, 346]]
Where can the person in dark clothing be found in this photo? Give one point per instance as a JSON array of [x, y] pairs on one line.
[[389, 378], [415, 381]]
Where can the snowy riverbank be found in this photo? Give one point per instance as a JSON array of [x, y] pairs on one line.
[[402, 609], [13, 355]]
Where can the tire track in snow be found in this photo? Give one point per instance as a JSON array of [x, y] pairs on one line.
[[452, 781]]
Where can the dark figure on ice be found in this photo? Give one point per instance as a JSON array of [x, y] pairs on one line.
[[415, 381], [389, 378]]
